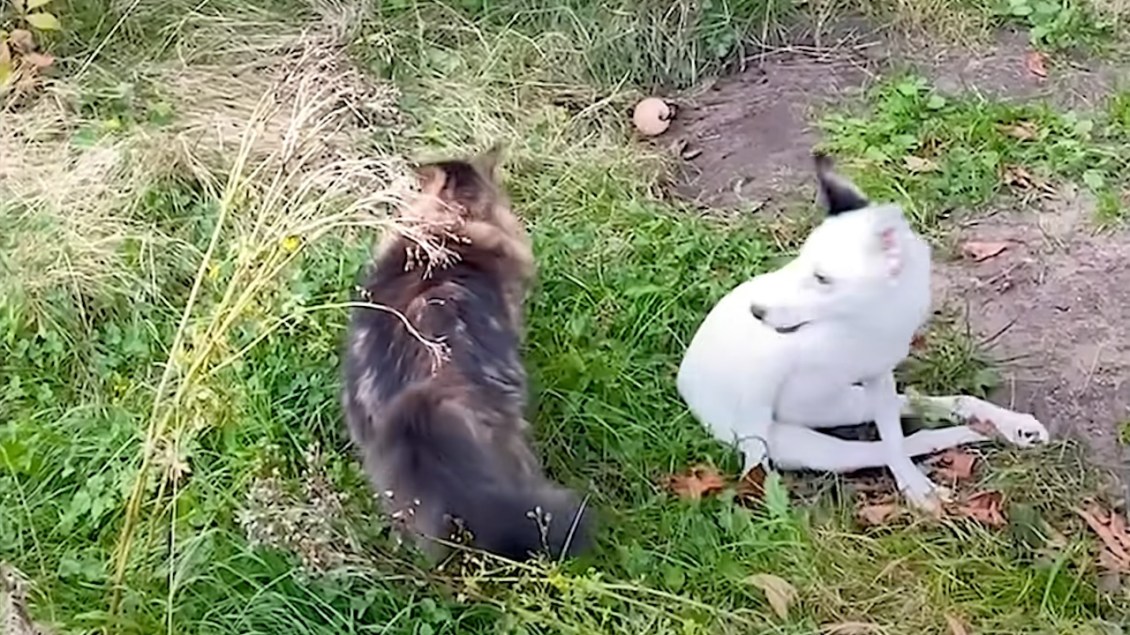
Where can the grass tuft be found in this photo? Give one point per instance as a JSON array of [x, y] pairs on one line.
[[946, 154], [649, 44]]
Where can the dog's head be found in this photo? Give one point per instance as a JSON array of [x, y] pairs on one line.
[[847, 265]]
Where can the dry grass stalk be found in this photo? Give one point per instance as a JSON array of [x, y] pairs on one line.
[[14, 616], [66, 209], [296, 174]]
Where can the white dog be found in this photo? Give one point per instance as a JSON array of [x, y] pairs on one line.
[[814, 345]]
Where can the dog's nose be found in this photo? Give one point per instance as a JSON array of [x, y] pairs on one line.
[[758, 311]]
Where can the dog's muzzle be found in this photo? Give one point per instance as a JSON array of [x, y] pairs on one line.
[[759, 312]]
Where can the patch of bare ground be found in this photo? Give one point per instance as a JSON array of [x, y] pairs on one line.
[[998, 69], [1056, 303], [744, 141], [1054, 306]]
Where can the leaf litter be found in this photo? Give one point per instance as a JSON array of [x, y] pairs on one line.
[[1111, 528], [751, 486], [919, 165], [1022, 130], [876, 505], [1023, 179], [780, 594], [699, 481], [954, 465], [986, 508], [979, 251], [956, 625], [1037, 64], [875, 514]]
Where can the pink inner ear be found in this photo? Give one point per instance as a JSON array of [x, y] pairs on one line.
[[887, 239], [891, 249]]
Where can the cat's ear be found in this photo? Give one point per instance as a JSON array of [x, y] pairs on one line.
[[837, 193], [431, 179], [489, 161]]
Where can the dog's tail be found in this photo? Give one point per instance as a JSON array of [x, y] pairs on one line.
[[449, 479]]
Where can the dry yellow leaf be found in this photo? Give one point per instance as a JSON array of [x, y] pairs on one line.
[[781, 594], [956, 626], [852, 628], [918, 164]]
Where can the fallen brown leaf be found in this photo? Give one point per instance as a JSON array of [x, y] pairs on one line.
[[851, 628], [956, 625], [751, 487], [21, 40], [39, 60], [918, 164], [979, 251], [780, 593], [1110, 562], [700, 480], [875, 514], [985, 507], [1023, 130], [1036, 63], [955, 464], [1112, 530], [1020, 178]]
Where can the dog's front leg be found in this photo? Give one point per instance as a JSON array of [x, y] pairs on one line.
[[1017, 428], [916, 486]]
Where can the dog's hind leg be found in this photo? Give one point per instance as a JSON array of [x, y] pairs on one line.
[[799, 448]]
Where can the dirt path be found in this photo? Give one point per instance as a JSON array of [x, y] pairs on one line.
[[1055, 305]]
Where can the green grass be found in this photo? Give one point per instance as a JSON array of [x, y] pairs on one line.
[[254, 516], [950, 154], [1059, 25], [1054, 26], [645, 44]]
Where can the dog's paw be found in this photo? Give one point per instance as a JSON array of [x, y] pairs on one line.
[[920, 491], [1022, 430], [754, 453]]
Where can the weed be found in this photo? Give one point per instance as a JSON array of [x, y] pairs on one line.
[[641, 44], [1051, 25], [942, 153], [1059, 24], [961, 20], [949, 359]]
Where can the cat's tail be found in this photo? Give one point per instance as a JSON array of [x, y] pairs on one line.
[[446, 479]]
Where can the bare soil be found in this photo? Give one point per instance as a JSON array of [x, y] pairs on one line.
[[748, 137], [1054, 307]]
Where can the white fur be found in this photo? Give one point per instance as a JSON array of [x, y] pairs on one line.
[[859, 288]]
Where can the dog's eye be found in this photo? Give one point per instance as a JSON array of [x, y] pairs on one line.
[[821, 278]]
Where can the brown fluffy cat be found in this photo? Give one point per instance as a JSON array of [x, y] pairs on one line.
[[446, 441]]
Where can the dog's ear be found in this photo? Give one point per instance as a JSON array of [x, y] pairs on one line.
[[891, 249], [838, 194]]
